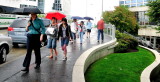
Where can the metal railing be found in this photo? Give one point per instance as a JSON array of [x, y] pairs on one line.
[[110, 30]]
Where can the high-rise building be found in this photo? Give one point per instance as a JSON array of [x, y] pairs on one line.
[[57, 5], [139, 8], [62, 6]]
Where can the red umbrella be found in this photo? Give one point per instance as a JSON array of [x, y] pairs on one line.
[[57, 15]]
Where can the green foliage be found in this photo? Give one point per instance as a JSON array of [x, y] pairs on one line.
[[122, 18], [120, 67], [41, 15], [154, 11], [125, 42]]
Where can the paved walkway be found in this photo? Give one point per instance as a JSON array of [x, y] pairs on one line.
[[51, 70]]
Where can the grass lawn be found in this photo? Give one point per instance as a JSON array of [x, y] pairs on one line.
[[120, 67]]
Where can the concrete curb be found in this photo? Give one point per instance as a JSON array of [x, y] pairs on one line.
[[145, 75], [90, 56]]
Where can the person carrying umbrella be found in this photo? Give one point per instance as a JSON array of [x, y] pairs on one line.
[[65, 34], [81, 30], [36, 30], [74, 26], [89, 27], [52, 34]]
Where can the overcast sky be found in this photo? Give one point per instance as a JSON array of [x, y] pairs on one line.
[[93, 7]]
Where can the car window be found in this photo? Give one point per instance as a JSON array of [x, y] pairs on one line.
[[46, 23], [19, 24], [23, 23]]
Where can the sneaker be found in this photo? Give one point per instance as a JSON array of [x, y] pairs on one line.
[[55, 57], [98, 41], [64, 58]]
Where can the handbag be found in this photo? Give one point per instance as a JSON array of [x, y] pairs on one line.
[[52, 31]]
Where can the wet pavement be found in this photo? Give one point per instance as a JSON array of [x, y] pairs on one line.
[[51, 70]]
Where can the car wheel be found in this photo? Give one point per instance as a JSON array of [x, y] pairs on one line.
[[3, 54]]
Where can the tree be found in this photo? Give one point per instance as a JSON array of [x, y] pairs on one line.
[[154, 12], [123, 19]]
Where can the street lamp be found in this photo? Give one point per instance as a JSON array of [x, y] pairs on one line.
[[86, 7], [102, 6]]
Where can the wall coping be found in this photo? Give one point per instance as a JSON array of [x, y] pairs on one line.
[[145, 75], [80, 65]]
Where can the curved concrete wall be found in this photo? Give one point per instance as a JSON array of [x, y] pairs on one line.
[[90, 56], [145, 75]]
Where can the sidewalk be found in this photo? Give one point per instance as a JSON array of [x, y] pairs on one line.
[[51, 70]]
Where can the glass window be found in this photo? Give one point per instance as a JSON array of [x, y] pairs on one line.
[[140, 4], [133, 5], [127, 2], [133, 1], [139, 1], [121, 2], [32, 0], [23, 5], [146, 0]]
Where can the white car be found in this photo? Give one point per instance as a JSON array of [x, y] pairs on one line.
[[5, 47]]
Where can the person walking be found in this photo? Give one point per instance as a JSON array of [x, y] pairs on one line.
[[89, 27], [100, 27], [74, 29], [65, 34], [81, 30], [34, 38], [52, 34]]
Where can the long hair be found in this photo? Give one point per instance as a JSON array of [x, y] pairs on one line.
[[65, 20], [31, 17]]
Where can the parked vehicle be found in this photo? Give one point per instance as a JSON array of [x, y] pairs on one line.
[[17, 30], [5, 47]]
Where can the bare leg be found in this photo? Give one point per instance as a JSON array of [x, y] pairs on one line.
[[55, 51]]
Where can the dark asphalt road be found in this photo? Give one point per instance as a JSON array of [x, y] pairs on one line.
[[51, 70]]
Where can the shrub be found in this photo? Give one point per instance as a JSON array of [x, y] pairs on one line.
[[125, 42]]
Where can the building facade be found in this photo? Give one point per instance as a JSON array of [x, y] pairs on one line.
[[6, 6], [62, 6], [139, 8]]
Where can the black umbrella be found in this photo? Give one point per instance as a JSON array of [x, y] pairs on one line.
[[26, 11]]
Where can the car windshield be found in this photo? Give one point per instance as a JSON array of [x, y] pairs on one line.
[[19, 24], [23, 23]]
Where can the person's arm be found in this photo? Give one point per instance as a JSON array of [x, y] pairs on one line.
[[43, 30], [59, 32], [27, 27], [70, 33]]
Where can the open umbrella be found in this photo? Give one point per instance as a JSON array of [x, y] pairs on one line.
[[57, 15], [76, 17], [26, 11], [88, 18]]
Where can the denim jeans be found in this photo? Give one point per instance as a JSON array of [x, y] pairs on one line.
[[74, 36], [100, 32], [81, 36]]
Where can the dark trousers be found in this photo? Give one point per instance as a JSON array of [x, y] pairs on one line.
[[33, 43], [100, 32]]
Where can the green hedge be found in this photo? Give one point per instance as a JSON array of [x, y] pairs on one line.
[[125, 42]]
